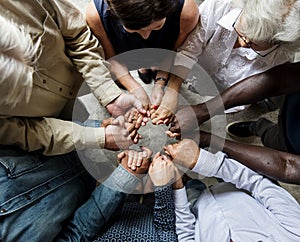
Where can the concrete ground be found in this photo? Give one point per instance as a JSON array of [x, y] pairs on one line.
[[154, 137]]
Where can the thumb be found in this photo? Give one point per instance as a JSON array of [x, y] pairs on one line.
[[118, 121], [138, 105]]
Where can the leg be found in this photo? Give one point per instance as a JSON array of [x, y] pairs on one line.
[[39, 193], [272, 135]]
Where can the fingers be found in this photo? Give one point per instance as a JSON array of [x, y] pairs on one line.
[[138, 105], [107, 122], [121, 156], [162, 116], [172, 135], [175, 128], [132, 159], [135, 158]]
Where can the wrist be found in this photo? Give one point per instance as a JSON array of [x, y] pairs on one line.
[[178, 184]]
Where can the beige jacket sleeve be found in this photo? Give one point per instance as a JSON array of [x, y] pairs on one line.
[[49, 135], [85, 52]]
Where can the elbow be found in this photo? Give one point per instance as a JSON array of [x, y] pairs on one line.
[[291, 171]]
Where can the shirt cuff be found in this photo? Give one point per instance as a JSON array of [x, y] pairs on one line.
[[108, 94], [180, 197], [88, 137], [208, 163], [122, 180]]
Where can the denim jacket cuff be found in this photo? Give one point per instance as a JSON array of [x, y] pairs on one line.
[[122, 180]]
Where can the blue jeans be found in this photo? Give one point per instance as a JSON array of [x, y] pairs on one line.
[[49, 198], [38, 193]]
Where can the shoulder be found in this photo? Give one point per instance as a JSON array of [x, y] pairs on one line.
[[190, 12], [92, 15], [188, 20]]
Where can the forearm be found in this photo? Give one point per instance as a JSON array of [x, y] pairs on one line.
[[164, 213], [283, 79], [284, 208], [275, 164], [92, 215], [185, 219], [49, 135]]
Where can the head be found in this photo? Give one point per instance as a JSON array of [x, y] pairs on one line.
[[17, 56], [266, 23], [142, 16]]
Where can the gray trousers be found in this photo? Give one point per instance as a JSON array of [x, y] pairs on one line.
[[272, 134]]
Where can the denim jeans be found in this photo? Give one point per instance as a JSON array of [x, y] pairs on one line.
[[38, 193], [49, 198]]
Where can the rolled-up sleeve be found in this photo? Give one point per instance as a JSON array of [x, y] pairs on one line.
[[49, 135]]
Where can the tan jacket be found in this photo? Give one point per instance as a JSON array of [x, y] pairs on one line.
[[69, 55]]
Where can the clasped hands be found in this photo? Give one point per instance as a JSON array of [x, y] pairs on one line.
[[162, 169], [131, 115]]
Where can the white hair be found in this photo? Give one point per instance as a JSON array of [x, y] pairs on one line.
[[271, 21], [17, 57]]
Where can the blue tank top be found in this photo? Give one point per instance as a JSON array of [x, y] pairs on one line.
[[123, 41]]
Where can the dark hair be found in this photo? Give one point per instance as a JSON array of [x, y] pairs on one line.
[[137, 14]]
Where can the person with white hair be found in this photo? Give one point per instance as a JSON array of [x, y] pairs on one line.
[[281, 139], [238, 39], [47, 51]]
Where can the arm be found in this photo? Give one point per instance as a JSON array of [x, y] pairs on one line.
[[274, 198], [119, 71], [283, 79], [92, 215], [185, 219], [164, 214], [162, 173], [53, 136], [188, 21], [84, 50], [49, 135], [275, 164]]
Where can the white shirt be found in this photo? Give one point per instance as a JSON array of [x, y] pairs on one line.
[[212, 42], [266, 212]]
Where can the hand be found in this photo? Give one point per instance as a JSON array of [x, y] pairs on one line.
[[117, 134], [161, 170], [185, 120], [165, 112], [124, 102], [138, 119], [157, 94], [106, 122], [140, 161], [142, 96], [185, 153]]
